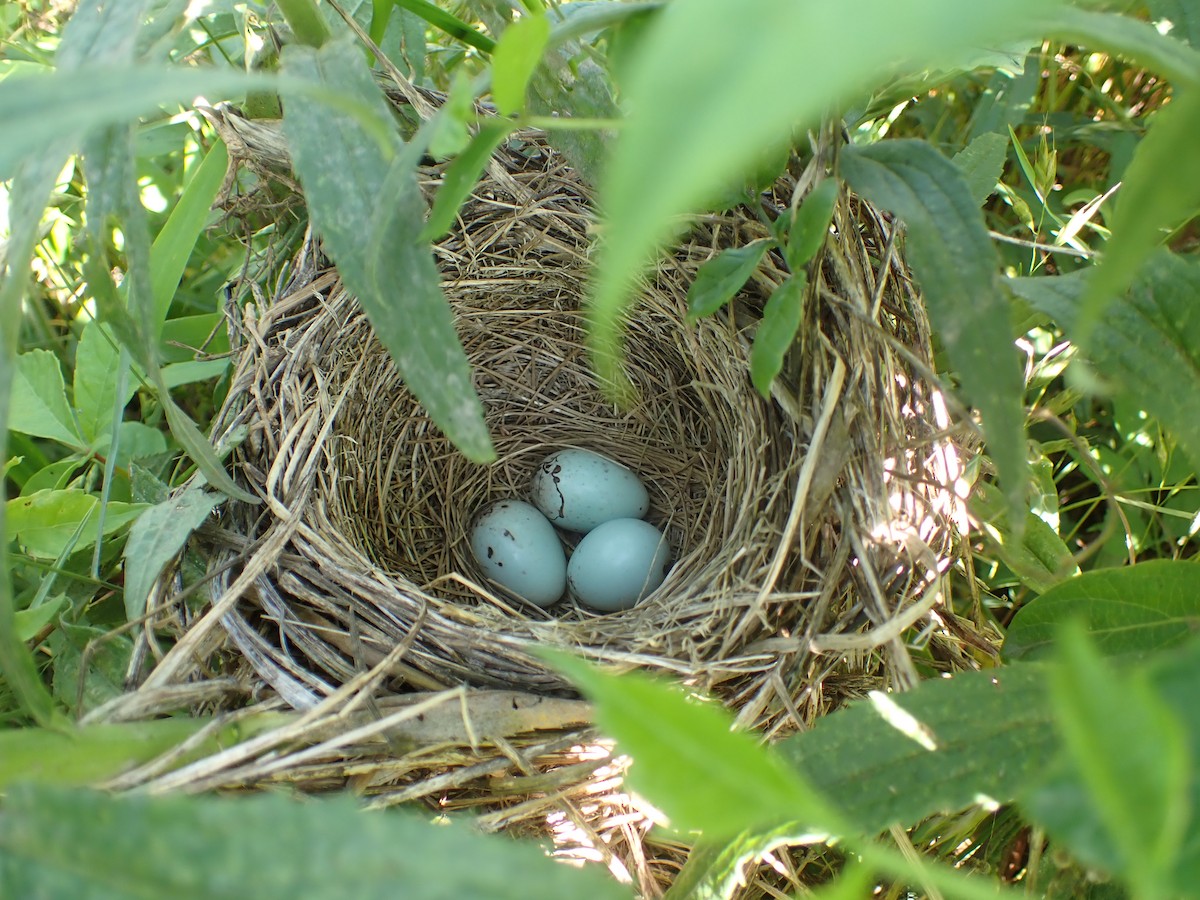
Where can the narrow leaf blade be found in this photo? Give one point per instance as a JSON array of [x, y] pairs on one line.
[[378, 250], [516, 57], [776, 332], [462, 175], [953, 259]]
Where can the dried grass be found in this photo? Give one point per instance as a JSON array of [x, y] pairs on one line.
[[811, 533]]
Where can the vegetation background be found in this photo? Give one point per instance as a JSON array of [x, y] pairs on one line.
[[1042, 156]]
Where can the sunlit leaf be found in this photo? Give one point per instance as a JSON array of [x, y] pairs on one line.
[[45, 522], [756, 76], [38, 404], [1037, 555], [515, 58]]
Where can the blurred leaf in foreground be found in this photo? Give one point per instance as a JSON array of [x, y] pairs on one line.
[[88, 846]]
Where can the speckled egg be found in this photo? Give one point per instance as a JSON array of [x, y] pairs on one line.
[[617, 564], [519, 549], [578, 490]]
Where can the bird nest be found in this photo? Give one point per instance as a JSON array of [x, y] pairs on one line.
[[810, 533]]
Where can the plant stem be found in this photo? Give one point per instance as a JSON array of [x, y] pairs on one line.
[[306, 22]]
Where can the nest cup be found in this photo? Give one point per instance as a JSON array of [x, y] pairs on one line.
[[809, 532]]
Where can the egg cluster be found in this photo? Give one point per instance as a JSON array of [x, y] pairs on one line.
[[618, 561]]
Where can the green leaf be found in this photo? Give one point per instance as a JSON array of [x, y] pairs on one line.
[[461, 176], [954, 261], [696, 56], [703, 775], [1120, 35], [1184, 16], [97, 375], [173, 246], [776, 331], [156, 537], [982, 163], [453, 26], [46, 522], [91, 846], [380, 254], [38, 403], [722, 276], [41, 110], [181, 373], [1131, 751], [1149, 204], [515, 59], [80, 756], [1135, 610], [990, 730], [196, 446], [1148, 344], [31, 621], [1037, 555], [811, 225]]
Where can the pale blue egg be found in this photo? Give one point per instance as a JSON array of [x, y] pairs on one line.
[[617, 564], [519, 549], [579, 489]]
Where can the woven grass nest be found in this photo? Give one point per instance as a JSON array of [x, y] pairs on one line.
[[810, 533]]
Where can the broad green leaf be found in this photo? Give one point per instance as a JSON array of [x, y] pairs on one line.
[[97, 374], [139, 441], [199, 449], [31, 621], [206, 332], [1120, 35], [1148, 344], [722, 276], [80, 756], [461, 176], [1037, 555], [1183, 16], [91, 846], [982, 163], [515, 59], [1160, 191], [811, 225], [776, 331], [1134, 610], [174, 244], [697, 56], [40, 110], [90, 665], [156, 537], [54, 475], [952, 256], [38, 402], [991, 732], [45, 522], [378, 248], [453, 26], [687, 760], [1132, 753]]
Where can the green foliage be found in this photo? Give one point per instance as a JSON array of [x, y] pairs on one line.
[[952, 257], [1136, 611], [377, 246], [56, 843], [1093, 740]]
